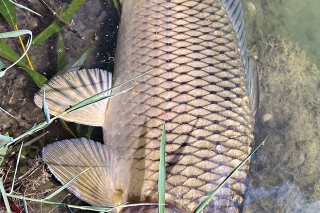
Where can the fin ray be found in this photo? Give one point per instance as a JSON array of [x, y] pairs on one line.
[[100, 184], [253, 86], [71, 88]]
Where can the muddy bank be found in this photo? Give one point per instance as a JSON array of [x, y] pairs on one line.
[[94, 18]]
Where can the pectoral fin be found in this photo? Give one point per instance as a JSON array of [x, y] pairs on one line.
[[71, 88], [104, 183], [253, 86]]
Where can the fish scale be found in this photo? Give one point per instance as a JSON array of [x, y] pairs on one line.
[[197, 88], [202, 86]]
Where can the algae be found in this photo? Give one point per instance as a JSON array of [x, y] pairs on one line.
[[283, 37], [295, 20], [289, 113]]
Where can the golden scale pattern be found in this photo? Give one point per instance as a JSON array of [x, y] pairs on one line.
[[197, 88]]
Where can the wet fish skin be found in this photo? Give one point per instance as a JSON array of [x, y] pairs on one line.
[[201, 86]]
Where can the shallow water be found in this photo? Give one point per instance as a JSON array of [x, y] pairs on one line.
[[295, 20], [284, 36]]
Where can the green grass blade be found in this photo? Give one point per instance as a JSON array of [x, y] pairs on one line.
[[132, 79], [2, 66], [61, 52], [75, 64], [25, 206], [23, 7], [9, 54], [4, 197], [98, 97], [79, 130], [210, 197], [3, 110], [56, 26], [162, 172], [6, 138], [16, 33], [109, 2], [91, 208], [37, 77], [93, 99], [34, 139], [15, 171], [114, 3], [66, 127], [89, 132], [45, 108], [68, 209], [8, 12], [4, 149], [65, 185]]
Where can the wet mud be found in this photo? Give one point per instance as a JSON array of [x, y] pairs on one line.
[[94, 18]]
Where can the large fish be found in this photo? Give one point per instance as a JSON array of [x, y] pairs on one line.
[[202, 86]]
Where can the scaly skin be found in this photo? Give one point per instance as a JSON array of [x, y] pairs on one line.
[[197, 88]]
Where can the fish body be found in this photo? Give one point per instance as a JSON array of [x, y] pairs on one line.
[[201, 86]]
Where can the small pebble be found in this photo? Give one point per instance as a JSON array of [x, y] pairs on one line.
[[266, 117]]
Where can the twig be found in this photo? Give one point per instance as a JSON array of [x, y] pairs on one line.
[[61, 20]]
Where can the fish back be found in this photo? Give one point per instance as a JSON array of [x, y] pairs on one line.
[[198, 87]]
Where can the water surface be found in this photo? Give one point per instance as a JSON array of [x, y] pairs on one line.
[[284, 36]]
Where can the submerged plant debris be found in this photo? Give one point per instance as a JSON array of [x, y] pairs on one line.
[[285, 173]]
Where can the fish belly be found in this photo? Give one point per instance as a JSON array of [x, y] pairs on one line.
[[197, 88]]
